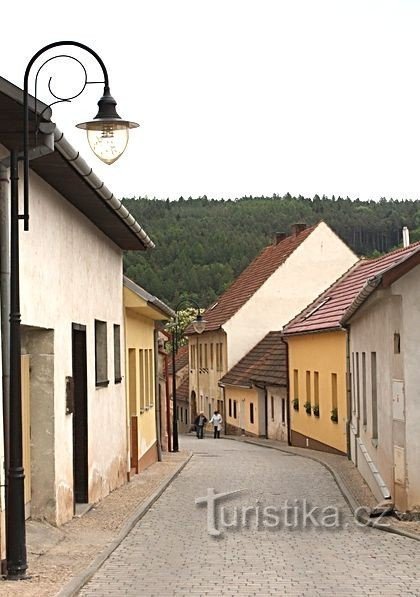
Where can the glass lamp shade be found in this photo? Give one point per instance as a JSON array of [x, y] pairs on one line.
[[107, 138], [199, 324]]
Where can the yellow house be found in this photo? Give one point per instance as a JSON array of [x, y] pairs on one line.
[[317, 390], [142, 311], [255, 391], [318, 363]]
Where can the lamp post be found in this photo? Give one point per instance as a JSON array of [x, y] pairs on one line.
[[108, 137], [198, 324]]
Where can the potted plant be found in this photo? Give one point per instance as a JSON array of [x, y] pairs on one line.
[[315, 410], [307, 406], [334, 415], [295, 403]]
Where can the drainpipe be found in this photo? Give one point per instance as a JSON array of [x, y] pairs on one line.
[[157, 395], [289, 431], [168, 405], [348, 395], [5, 299]]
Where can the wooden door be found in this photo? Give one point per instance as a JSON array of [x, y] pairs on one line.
[[80, 417]]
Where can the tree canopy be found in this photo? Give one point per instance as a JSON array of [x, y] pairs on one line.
[[203, 244]]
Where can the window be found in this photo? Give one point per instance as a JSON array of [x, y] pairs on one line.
[[374, 396], [230, 407], [211, 355], [200, 356], [206, 364], [364, 413], [117, 354], [219, 356], [101, 354], [193, 357], [209, 411], [334, 391], [151, 379], [186, 416], [308, 386], [357, 386], [177, 413], [353, 387], [295, 384], [272, 408], [234, 409], [316, 388], [251, 412], [283, 410], [142, 381], [397, 343]]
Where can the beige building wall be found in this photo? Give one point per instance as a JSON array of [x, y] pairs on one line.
[[311, 268], [388, 325], [240, 402], [204, 379], [71, 272]]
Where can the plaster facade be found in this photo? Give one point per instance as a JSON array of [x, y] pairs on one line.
[[384, 356], [71, 273], [317, 374], [315, 264]]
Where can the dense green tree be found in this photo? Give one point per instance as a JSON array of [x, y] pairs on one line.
[[203, 244]]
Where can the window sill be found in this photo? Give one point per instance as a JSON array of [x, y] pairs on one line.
[[102, 384], [374, 442]]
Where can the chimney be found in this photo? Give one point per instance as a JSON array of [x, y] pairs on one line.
[[297, 228], [278, 237], [406, 237]]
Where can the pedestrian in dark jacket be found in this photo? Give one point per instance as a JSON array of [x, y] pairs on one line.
[[199, 422]]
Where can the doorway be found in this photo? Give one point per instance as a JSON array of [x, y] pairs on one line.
[[80, 416]]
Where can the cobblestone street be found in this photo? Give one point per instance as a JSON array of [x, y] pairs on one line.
[[170, 552]]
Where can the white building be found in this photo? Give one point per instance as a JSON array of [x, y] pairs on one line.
[[72, 325], [384, 354], [283, 279]]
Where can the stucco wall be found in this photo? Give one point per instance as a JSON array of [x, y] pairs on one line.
[[409, 288], [372, 330], [204, 382], [244, 397], [71, 272], [324, 353], [140, 335], [309, 270]]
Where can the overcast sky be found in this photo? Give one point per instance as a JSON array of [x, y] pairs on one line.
[[239, 97]]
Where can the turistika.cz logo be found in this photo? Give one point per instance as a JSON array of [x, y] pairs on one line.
[[290, 514]]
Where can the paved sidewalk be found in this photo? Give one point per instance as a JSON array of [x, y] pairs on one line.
[[57, 555], [350, 482]]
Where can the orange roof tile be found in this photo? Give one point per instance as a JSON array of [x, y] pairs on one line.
[[250, 280], [266, 363], [181, 359], [326, 312]]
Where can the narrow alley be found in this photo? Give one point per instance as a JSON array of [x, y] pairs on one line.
[[274, 546]]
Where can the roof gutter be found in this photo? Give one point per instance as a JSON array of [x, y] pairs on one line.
[[78, 163], [370, 286]]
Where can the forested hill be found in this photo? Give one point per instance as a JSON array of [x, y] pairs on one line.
[[203, 244]]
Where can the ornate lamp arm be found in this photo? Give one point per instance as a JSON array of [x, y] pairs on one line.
[[56, 44]]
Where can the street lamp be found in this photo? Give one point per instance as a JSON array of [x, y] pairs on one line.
[[108, 136], [198, 324]]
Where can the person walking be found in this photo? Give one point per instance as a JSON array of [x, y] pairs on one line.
[[217, 421], [199, 423]]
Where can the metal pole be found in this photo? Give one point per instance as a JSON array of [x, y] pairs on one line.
[[175, 446], [15, 500]]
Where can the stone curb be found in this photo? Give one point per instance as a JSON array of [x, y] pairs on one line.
[[77, 582], [357, 509]]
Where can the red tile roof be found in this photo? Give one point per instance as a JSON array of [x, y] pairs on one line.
[[250, 280], [326, 312], [266, 364], [182, 391], [181, 359]]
